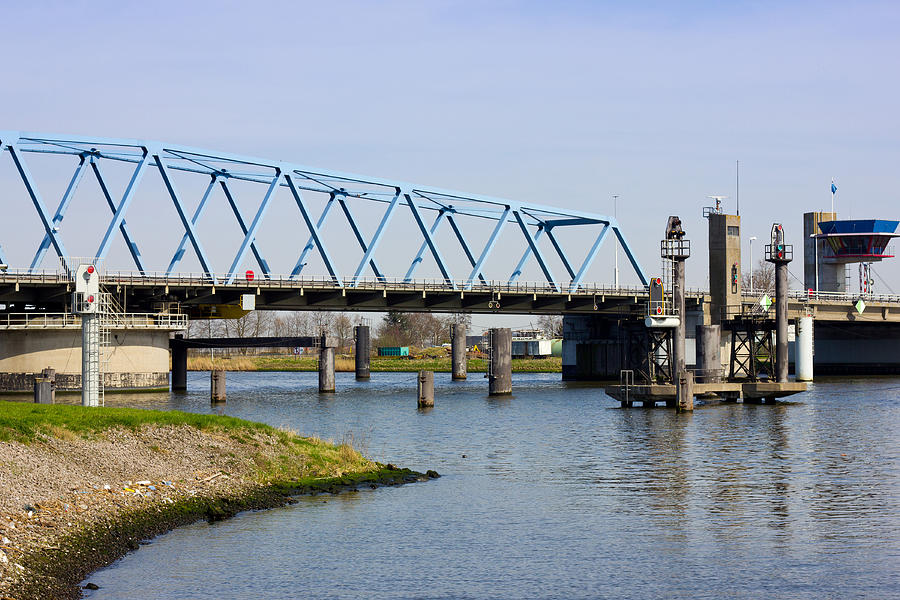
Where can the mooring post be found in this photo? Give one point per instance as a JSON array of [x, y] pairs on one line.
[[326, 367], [425, 389], [45, 387], [179, 364], [709, 354], [217, 385], [500, 362], [678, 337], [780, 254], [363, 352], [458, 351], [685, 391], [803, 350]]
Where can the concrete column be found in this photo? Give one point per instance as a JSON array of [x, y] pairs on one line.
[[679, 333], [425, 389], [781, 322], [685, 391], [709, 359], [803, 349], [217, 385], [326, 369], [500, 362], [458, 358], [179, 366], [363, 352]]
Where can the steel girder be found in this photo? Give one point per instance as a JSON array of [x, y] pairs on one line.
[[532, 220]]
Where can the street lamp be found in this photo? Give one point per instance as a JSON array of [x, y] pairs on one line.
[[616, 241], [751, 263]]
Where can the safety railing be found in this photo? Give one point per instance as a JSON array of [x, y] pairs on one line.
[[42, 320], [150, 278]]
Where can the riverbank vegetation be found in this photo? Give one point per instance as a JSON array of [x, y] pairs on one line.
[[83, 486], [377, 364]]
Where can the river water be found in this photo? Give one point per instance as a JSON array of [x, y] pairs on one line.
[[554, 492]]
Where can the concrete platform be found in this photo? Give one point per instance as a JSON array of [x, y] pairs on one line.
[[749, 392]]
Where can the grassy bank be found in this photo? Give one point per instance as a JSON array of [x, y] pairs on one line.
[[377, 364], [83, 486]]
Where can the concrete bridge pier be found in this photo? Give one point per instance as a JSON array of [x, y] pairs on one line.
[[500, 362], [326, 369], [363, 352], [217, 386], [179, 366], [458, 359]]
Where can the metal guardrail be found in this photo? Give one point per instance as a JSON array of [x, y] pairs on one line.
[[42, 320]]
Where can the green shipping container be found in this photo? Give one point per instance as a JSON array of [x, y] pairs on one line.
[[393, 351]]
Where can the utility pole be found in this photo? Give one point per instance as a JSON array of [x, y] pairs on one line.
[[751, 263]]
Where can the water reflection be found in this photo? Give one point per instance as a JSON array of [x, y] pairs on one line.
[[554, 492]]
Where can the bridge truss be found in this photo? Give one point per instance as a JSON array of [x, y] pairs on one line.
[[429, 207]]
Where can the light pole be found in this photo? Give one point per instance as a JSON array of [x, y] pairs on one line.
[[753, 237], [615, 240]]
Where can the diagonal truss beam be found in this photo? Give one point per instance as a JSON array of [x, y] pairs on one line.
[[631, 257], [435, 252], [132, 246], [179, 252], [476, 268], [263, 265], [359, 238], [60, 213], [536, 250], [592, 253], [119, 212], [369, 252], [465, 246], [38, 202], [561, 252], [418, 259], [314, 231], [310, 243], [182, 214], [526, 255]]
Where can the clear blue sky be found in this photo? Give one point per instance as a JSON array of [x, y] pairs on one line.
[[562, 103]]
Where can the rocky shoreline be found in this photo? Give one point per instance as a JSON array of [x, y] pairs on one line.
[[72, 505]]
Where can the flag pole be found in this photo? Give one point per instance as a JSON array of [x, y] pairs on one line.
[[833, 189]]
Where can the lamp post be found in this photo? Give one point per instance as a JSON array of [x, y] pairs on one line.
[[616, 241], [753, 237]]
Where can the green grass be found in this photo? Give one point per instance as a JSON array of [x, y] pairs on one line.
[[21, 421]]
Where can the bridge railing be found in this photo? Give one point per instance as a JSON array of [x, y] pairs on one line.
[[322, 282]]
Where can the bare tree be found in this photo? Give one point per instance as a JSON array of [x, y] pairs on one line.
[[763, 278], [552, 325]]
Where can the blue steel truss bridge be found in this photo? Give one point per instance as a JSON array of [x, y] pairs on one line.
[[438, 223]]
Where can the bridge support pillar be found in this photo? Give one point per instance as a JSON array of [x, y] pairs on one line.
[[363, 352], [425, 389], [803, 349], [709, 353], [500, 362], [217, 385], [90, 359], [326, 368], [458, 359], [678, 338], [179, 365]]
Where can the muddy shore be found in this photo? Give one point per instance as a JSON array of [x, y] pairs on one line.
[[73, 504]]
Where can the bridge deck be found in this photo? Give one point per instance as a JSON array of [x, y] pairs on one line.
[[146, 293]]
